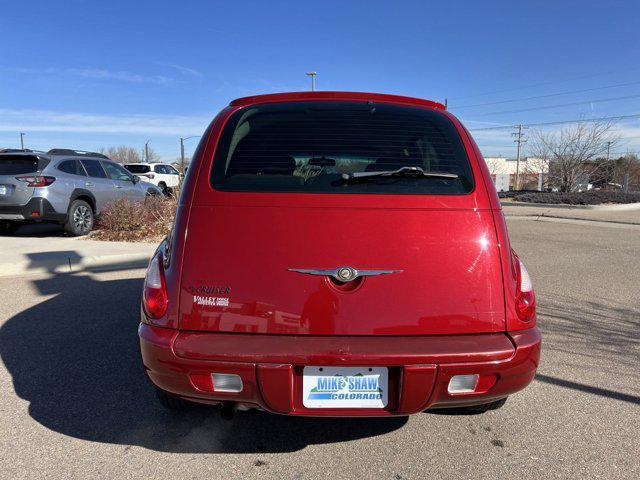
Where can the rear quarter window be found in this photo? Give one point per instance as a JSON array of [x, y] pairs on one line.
[[71, 167], [93, 168], [138, 168], [314, 147]]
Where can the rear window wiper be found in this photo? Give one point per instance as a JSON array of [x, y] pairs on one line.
[[406, 171]]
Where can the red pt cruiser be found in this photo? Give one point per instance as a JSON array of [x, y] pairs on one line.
[[338, 254]]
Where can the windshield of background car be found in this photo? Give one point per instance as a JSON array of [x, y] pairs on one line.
[[138, 168], [309, 146]]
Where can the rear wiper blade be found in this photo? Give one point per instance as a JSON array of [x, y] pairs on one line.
[[406, 171]]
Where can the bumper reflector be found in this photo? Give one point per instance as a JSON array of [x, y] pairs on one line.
[[463, 383], [226, 382]]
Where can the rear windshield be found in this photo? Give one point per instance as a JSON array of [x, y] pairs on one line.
[[138, 168], [18, 164], [317, 147]]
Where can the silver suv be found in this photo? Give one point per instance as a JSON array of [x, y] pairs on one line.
[[69, 187]]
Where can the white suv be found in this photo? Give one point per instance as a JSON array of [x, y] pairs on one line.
[[162, 175]]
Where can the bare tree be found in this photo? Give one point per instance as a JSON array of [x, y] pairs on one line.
[[628, 165], [122, 154], [495, 165], [568, 152], [153, 156]]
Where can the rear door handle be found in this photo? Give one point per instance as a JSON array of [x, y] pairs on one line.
[[88, 184], [119, 186]]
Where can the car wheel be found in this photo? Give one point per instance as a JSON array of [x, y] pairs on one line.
[[8, 228], [165, 190], [79, 218], [471, 410], [485, 407], [170, 402]]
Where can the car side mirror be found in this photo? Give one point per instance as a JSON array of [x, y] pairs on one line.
[[135, 179]]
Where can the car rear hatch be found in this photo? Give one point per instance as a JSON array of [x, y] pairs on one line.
[[12, 190], [427, 246]]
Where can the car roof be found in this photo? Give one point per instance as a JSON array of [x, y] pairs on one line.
[[334, 95], [68, 152], [25, 152], [147, 163]]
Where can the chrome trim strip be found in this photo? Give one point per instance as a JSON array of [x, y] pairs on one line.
[[342, 274]]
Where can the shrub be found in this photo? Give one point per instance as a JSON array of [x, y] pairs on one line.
[[124, 220], [592, 197], [515, 193]]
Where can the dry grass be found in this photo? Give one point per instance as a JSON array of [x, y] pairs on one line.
[[127, 221]]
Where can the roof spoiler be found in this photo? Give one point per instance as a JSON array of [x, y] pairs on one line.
[[18, 150]]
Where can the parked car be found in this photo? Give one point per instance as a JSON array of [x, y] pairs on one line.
[[338, 254], [163, 175], [64, 186]]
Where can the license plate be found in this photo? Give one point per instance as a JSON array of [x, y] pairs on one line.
[[345, 387], [3, 189]]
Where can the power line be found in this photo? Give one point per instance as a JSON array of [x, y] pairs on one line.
[[560, 105], [561, 122], [536, 97], [523, 87]]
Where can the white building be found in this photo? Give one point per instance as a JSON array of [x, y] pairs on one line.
[[531, 171], [528, 165]]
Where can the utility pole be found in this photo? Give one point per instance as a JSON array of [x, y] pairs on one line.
[[609, 143], [313, 80], [519, 139], [22, 140], [182, 139], [146, 151], [182, 155]]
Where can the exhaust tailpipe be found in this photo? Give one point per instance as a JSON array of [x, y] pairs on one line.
[[228, 410]]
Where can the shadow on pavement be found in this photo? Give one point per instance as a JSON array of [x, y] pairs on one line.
[[596, 329], [596, 333], [75, 359], [624, 397], [36, 230]]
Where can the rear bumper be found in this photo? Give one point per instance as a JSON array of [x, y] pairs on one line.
[[271, 366], [36, 209]]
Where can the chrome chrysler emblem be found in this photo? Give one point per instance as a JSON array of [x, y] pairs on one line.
[[342, 274], [346, 273]]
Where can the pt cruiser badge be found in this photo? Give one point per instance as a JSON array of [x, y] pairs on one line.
[[342, 274]]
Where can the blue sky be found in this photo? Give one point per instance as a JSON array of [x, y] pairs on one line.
[[91, 74]]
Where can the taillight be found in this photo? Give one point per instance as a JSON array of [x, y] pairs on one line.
[[149, 175], [525, 297], [154, 297], [37, 180]]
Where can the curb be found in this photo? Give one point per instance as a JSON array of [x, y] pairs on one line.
[[575, 221], [65, 264], [602, 208]]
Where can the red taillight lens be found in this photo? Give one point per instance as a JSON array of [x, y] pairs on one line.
[[154, 298], [149, 175], [525, 298], [37, 180]]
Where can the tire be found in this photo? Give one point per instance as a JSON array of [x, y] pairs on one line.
[[471, 410], [165, 190], [8, 228], [486, 406], [79, 218], [170, 402]]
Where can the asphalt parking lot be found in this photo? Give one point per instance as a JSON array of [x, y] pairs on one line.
[[74, 403]]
